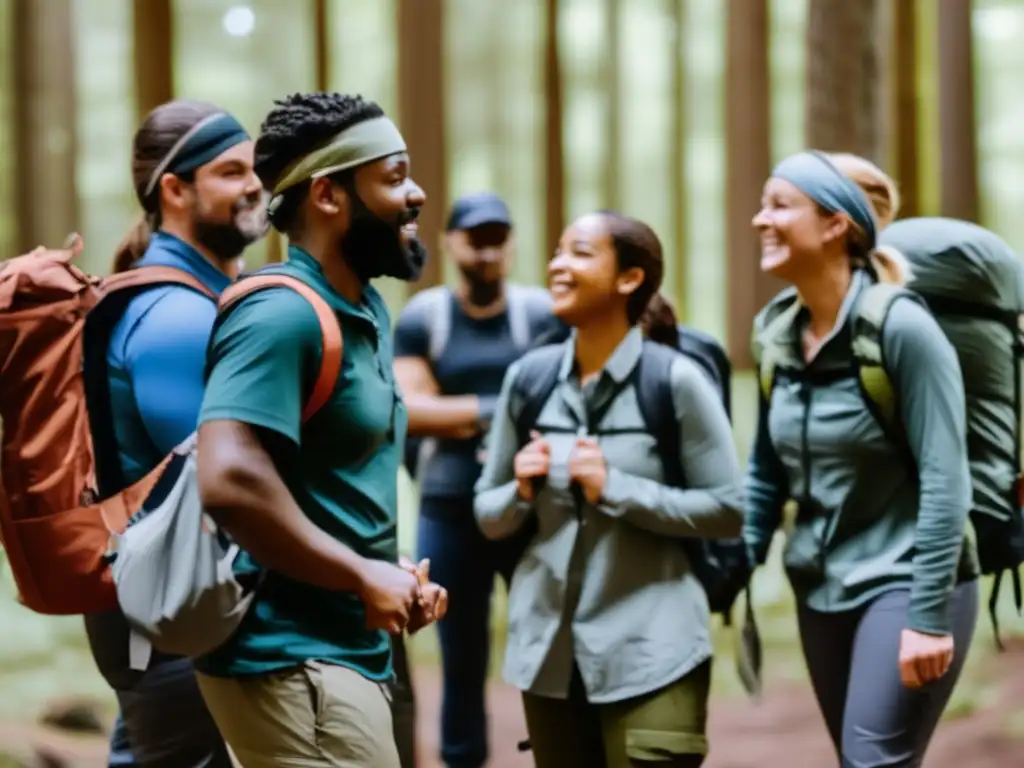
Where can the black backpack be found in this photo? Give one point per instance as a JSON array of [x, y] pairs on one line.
[[721, 565]]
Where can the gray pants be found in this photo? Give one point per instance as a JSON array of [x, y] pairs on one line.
[[163, 721], [852, 657]]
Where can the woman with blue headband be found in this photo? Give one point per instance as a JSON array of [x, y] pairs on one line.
[[876, 554]]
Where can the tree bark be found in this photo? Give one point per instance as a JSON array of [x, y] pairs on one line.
[[421, 112], [46, 199], [957, 125], [844, 78], [747, 165]]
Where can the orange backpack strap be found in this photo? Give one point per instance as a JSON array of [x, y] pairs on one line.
[[333, 343], [135, 278]]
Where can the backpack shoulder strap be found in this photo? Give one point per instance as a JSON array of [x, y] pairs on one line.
[[653, 379], [330, 328], [868, 320], [536, 379], [438, 308], [708, 354], [116, 293], [155, 275], [768, 352], [525, 304]]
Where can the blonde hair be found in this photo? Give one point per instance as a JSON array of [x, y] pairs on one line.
[[889, 264]]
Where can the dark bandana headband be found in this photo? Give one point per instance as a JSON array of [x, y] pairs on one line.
[[204, 141]]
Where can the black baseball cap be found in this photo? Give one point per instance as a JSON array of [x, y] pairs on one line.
[[480, 208]]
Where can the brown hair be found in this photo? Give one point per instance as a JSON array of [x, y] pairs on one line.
[[159, 132], [637, 245], [888, 264]]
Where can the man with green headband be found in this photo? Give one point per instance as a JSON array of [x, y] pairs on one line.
[[304, 680]]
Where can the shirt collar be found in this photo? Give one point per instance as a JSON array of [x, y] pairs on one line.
[[621, 363], [373, 303], [791, 334], [167, 250]]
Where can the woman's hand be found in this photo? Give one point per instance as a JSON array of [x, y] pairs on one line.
[[588, 468], [924, 658], [533, 461]]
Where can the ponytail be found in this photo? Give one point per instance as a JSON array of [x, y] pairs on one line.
[[889, 265], [659, 322], [132, 246]]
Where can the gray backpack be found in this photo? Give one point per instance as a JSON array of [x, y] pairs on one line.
[[524, 304], [173, 567]]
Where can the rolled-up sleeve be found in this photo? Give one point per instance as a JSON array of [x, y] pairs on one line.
[[929, 387], [499, 510], [711, 505]]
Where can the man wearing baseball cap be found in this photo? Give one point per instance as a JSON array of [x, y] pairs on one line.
[[452, 348]]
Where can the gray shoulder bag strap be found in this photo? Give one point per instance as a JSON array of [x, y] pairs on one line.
[[439, 320], [518, 317]]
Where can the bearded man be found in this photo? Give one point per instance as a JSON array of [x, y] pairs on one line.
[[202, 203], [306, 679]]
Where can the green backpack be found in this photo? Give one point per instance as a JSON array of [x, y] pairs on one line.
[[973, 284]]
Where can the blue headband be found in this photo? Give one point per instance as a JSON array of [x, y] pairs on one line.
[[203, 142], [815, 175]]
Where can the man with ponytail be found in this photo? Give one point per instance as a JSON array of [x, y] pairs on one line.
[[202, 204]]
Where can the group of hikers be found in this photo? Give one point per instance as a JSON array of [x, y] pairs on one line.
[[575, 441]]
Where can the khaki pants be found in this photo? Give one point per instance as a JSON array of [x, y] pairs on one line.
[[663, 728], [312, 716]]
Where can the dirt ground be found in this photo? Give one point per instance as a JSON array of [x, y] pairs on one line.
[[784, 730]]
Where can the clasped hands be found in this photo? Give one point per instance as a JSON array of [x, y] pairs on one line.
[[432, 600], [587, 466], [400, 597]]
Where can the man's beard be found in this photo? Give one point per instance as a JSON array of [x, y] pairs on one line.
[[481, 291], [373, 247], [227, 240]]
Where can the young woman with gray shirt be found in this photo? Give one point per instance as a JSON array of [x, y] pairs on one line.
[[608, 627], [884, 579]]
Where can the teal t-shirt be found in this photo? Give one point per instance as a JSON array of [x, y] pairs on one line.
[[341, 466]]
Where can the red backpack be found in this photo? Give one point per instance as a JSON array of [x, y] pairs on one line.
[[54, 528]]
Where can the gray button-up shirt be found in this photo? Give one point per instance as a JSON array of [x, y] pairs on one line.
[[608, 586]]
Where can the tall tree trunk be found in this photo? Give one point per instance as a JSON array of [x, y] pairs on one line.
[[421, 113], [747, 165], [957, 125], [904, 151], [845, 110], [554, 155]]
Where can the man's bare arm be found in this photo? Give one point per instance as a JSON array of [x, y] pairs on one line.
[[242, 491], [432, 414]]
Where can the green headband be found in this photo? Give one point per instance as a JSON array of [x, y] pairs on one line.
[[357, 145]]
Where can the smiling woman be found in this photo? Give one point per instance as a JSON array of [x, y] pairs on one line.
[[883, 573], [574, 446], [608, 266], [867, 200]]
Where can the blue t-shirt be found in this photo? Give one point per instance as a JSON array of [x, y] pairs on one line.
[[156, 359], [473, 361], [155, 368]]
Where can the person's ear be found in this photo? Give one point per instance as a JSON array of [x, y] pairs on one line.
[[174, 193], [629, 281], [837, 227], [328, 197]]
